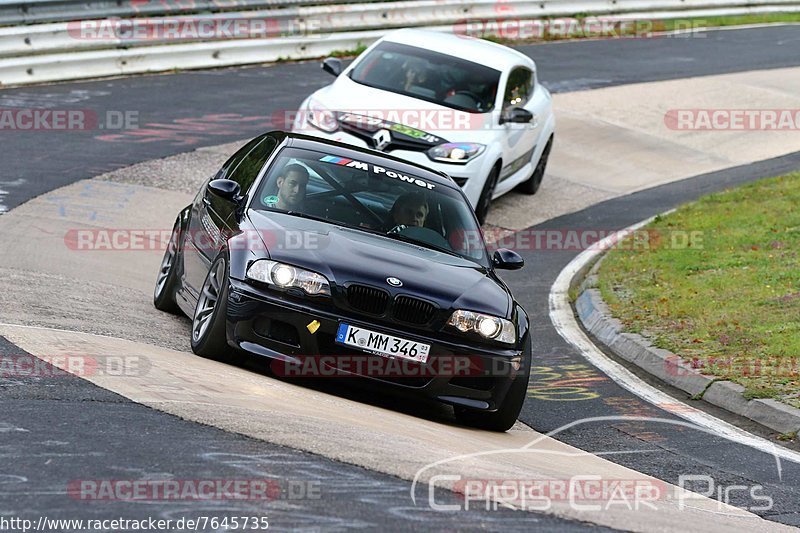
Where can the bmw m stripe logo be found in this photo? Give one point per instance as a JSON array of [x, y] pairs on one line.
[[335, 160]]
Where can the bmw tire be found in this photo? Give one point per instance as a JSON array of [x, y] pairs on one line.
[[208, 335], [167, 281]]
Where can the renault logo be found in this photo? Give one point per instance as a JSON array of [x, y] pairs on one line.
[[382, 139], [394, 282]]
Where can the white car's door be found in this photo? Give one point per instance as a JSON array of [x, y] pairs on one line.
[[520, 137]]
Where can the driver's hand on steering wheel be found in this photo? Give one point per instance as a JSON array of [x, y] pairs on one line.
[[397, 229]]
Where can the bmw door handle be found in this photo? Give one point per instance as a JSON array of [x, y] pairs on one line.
[[206, 201]]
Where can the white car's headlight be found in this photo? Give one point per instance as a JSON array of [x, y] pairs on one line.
[[456, 152], [287, 276], [321, 117], [487, 326]]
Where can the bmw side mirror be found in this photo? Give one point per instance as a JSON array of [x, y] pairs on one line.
[[226, 189], [516, 115], [506, 259], [332, 65]]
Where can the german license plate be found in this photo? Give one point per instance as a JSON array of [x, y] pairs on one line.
[[381, 344]]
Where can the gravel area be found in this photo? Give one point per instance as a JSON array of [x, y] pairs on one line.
[[183, 172]]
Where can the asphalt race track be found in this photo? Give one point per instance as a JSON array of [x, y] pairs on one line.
[[91, 432]]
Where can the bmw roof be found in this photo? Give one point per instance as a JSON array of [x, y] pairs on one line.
[[479, 51]]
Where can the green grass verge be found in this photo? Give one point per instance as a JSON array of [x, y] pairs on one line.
[[729, 299], [348, 53]]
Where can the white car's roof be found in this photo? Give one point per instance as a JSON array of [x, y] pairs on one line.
[[478, 51]]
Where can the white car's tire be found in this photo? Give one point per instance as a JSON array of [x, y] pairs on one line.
[[485, 199], [532, 184]]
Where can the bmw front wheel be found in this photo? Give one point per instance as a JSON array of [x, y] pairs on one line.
[[208, 324]]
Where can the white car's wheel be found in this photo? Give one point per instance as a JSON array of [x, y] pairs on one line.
[[532, 184], [485, 200]]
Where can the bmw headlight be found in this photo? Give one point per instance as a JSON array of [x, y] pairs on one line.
[[487, 326], [456, 152], [287, 276], [321, 117]]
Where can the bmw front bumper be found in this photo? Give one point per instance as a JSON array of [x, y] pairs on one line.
[[276, 325]]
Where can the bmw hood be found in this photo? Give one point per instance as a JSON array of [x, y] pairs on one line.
[[345, 255]]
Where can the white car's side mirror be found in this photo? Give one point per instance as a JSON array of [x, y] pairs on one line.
[[516, 115], [332, 65]]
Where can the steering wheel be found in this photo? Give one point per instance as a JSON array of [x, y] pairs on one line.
[[422, 235], [471, 95]]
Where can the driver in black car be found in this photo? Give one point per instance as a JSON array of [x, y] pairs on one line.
[[410, 209], [291, 188]]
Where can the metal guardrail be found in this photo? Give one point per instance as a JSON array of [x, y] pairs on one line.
[[40, 11], [59, 51]]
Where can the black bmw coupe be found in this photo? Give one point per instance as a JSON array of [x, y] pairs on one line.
[[301, 249]]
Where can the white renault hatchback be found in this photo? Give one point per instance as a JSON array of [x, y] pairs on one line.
[[467, 107]]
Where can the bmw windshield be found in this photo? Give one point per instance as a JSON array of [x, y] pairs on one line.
[[437, 78], [372, 198]]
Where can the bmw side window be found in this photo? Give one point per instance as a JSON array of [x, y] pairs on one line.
[[519, 88], [231, 164], [248, 168]]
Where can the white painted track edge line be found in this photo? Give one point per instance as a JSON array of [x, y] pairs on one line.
[[563, 319]]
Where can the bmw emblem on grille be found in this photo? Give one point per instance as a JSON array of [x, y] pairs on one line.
[[394, 282]]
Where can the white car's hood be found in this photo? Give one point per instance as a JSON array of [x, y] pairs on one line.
[[441, 121]]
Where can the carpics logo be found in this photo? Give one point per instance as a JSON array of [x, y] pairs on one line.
[[582, 493]]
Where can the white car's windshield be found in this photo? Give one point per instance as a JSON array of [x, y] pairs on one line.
[[372, 198], [431, 76]]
